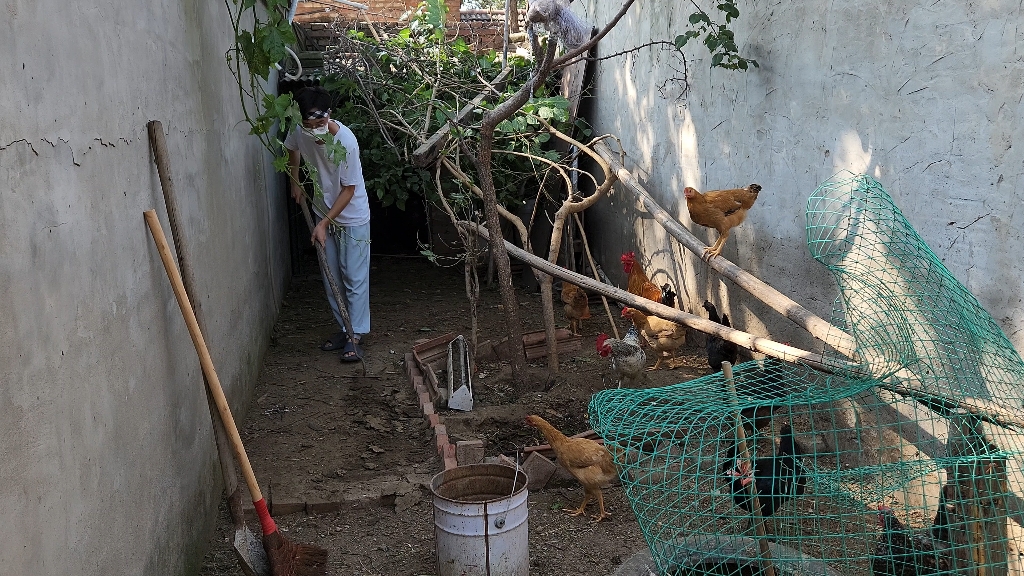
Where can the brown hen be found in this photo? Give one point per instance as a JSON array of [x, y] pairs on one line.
[[588, 462], [722, 210], [577, 309], [664, 336]]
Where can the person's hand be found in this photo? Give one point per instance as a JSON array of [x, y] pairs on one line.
[[298, 193], [320, 232]]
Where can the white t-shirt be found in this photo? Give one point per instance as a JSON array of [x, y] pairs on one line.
[[333, 177]]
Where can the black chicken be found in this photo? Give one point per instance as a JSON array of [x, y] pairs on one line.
[[668, 296], [719, 350], [940, 523], [901, 552], [776, 478]]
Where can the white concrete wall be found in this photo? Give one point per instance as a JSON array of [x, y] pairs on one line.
[[924, 96], [107, 461]]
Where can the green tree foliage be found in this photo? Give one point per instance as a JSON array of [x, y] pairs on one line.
[[718, 38]]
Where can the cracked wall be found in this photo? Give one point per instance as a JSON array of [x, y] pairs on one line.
[[108, 463]]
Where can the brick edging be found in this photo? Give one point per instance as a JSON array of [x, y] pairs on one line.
[[444, 446]]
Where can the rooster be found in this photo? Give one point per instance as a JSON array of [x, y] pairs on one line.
[[637, 282], [722, 210], [577, 309], [628, 358], [589, 462], [776, 478], [664, 336], [902, 552], [719, 350]]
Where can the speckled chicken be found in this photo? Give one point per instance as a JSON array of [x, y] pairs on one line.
[[628, 358]]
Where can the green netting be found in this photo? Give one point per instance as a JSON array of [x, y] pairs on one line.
[[907, 457]]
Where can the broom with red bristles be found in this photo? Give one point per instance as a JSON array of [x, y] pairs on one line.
[[286, 558]]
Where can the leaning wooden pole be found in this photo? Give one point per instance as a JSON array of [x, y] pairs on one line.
[[163, 167], [749, 341], [815, 325]]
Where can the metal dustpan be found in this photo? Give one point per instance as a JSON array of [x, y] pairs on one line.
[[460, 385], [250, 553]]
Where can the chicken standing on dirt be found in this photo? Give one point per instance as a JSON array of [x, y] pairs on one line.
[[637, 283], [577, 309], [628, 358], [588, 462], [664, 336], [722, 210]]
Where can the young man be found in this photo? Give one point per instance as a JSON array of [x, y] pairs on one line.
[[343, 209]]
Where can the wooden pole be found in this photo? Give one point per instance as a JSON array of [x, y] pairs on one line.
[[163, 168], [749, 341], [815, 325], [593, 268], [744, 455]]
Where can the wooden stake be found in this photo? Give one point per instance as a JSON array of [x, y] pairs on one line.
[[593, 268], [764, 551]]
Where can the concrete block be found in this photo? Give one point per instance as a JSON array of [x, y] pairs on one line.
[[469, 451], [538, 470]]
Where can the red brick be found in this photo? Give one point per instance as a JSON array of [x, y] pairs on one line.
[[450, 463], [449, 451], [433, 419], [424, 398]]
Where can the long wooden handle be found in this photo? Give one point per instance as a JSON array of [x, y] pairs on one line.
[[204, 354]]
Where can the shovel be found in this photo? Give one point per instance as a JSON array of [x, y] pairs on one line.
[[460, 381]]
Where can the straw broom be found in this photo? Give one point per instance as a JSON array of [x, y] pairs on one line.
[[286, 558]]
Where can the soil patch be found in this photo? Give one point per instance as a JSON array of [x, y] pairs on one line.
[[355, 449]]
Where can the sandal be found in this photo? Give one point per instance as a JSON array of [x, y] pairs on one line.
[[335, 342], [353, 352]]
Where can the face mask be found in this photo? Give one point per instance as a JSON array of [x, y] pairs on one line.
[[316, 131]]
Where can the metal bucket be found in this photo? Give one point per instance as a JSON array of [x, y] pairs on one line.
[[480, 521]]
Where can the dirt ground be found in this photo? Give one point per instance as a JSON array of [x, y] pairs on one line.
[[319, 431]]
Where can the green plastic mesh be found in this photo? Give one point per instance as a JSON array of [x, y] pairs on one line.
[[925, 417]]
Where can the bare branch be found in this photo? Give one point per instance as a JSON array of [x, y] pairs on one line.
[[585, 47]]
